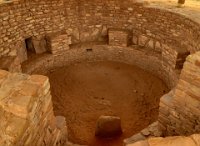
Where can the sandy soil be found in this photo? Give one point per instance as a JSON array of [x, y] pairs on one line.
[[188, 3], [190, 9], [85, 91]]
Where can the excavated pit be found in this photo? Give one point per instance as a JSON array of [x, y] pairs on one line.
[[84, 91]]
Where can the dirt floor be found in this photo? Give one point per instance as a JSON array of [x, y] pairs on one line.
[[85, 91], [190, 9]]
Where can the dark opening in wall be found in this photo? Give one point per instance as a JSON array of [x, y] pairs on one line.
[[4, 68], [89, 50], [181, 59], [30, 46]]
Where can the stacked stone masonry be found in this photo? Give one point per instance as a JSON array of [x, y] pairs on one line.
[[156, 43], [26, 112], [118, 38], [85, 22], [28, 18], [179, 112], [57, 44], [142, 58], [164, 26], [10, 63], [180, 109]]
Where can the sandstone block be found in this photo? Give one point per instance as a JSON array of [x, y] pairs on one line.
[[118, 37], [108, 126], [135, 40], [134, 138], [139, 143], [158, 46], [11, 64], [143, 40], [39, 46], [57, 43]]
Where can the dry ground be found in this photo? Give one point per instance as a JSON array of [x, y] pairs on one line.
[[191, 8], [188, 3], [85, 91]]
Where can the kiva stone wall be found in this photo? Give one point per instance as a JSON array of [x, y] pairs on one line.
[[147, 60], [10, 63], [162, 41], [96, 17], [28, 18], [165, 63], [180, 109], [161, 32], [118, 37], [26, 112], [90, 20], [57, 44]]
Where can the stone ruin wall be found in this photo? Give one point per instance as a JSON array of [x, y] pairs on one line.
[[26, 112], [162, 35], [178, 113], [96, 16], [131, 55], [180, 109], [90, 21], [22, 19]]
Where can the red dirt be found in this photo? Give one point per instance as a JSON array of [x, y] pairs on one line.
[[82, 92]]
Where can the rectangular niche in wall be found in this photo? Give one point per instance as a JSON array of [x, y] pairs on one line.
[[30, 46]]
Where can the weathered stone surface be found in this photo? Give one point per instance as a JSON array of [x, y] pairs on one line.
[[134, 138], [139, 143], [22, 52], [11, 64], [169, 141], [130, 55], [118, 37], [158, 46], [108, 126], [40, 46], [23, 19], [181, 106], [72, 144], [135, 40], [26, 112], [58, 43], [143, 40], [152, 130]]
